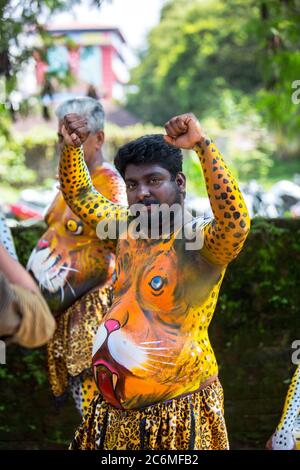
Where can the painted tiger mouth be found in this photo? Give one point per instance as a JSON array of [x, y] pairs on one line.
[[107, 380]]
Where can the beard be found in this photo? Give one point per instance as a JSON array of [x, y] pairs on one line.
[[154, 216]]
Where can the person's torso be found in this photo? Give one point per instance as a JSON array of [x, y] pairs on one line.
[[153, 343]]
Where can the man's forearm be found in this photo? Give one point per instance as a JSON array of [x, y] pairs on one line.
[[24, 315], [226, 234], [79, 192], [15, 272]]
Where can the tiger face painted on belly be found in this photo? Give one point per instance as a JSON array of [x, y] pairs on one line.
[[153, 343]]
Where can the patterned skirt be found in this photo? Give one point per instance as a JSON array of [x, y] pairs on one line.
[[70, 349], [193, 422]]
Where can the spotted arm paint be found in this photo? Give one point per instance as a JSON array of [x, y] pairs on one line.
[[283, 438], [225, 235], [80, 194], [6, 237]]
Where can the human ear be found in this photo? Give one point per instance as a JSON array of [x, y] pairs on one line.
[[181, 181], [100, 139]]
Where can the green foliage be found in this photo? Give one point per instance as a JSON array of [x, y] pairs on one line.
[[278, 54], [39, 145], [264, 279], [254, 162], [12, 158], [195, 183], [30, 368], [197, 52], [26, 239], [34, 156], [116, 136], [15, 22], [29, 419], [212, 59]]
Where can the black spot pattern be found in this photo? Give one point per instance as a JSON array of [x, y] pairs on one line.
[[221, 186]]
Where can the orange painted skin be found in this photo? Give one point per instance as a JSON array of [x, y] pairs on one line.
[[153, 344], [69, 259]]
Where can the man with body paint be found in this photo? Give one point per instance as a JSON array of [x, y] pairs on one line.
[[152, 358], [74, 268]]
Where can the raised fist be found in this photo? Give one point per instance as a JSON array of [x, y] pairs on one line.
[[74, 130], [184, 131]]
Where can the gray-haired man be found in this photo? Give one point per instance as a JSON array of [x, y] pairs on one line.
[[93, 110], [74, 268]]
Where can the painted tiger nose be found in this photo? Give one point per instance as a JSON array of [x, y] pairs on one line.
[[112, 325], [43, 244]]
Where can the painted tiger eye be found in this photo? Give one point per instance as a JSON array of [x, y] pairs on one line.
[[156, 282], [74, 227]]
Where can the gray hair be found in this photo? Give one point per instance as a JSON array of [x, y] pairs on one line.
[[87, 107]]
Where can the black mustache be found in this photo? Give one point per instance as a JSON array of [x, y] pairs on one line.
[[148, 203]]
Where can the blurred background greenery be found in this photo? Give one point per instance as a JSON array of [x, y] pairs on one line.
[[234, 64]]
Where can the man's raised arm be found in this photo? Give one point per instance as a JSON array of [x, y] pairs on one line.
[[225, 235], [75, 182]]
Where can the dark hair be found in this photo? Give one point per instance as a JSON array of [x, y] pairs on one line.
[[149, 149]]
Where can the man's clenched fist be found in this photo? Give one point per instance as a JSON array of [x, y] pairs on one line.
[[74, 130], [184, 131]]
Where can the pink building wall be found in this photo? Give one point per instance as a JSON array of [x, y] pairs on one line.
[[108, 52]]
